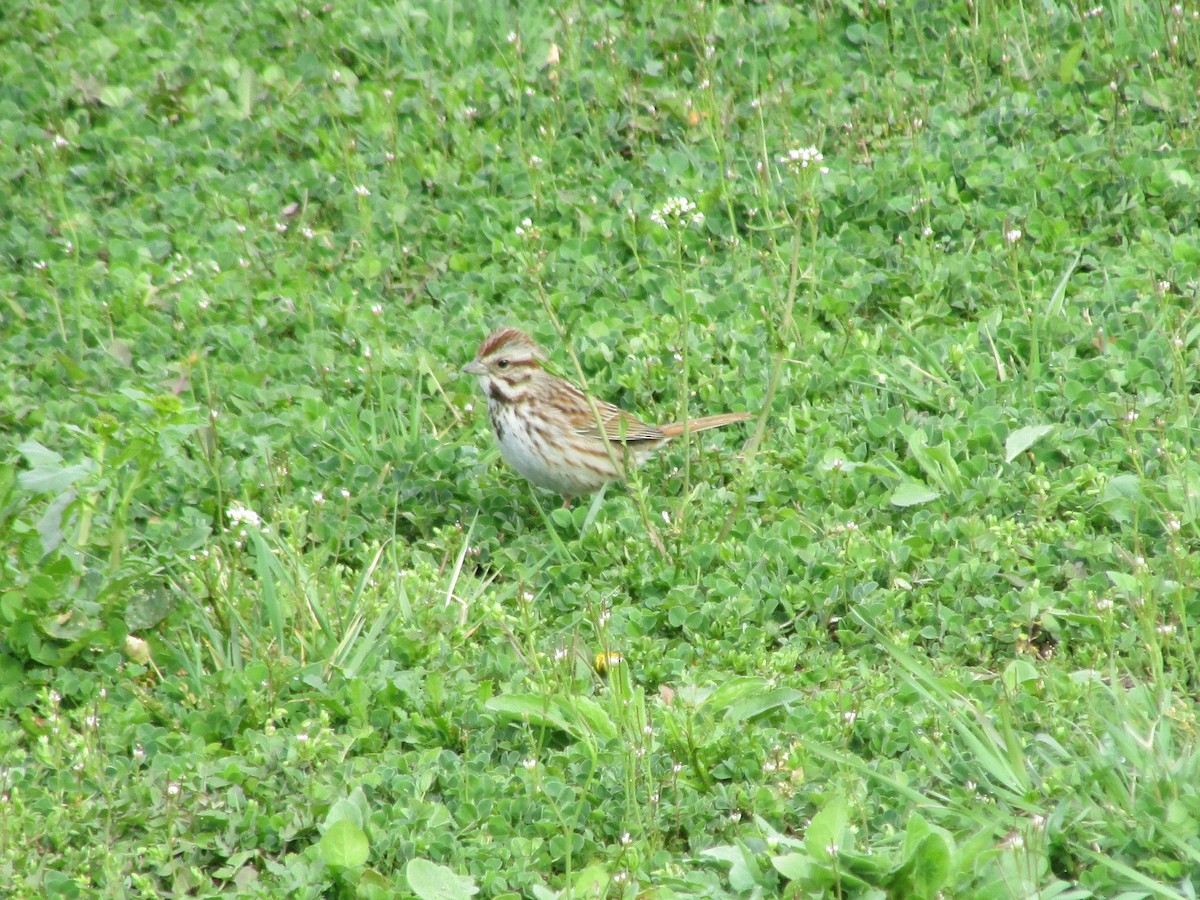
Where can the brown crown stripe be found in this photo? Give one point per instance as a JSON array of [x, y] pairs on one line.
[[503, 338]]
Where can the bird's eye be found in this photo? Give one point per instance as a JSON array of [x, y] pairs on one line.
[[503, 364]]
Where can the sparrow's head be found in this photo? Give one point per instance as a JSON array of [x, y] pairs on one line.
[[506, 359]]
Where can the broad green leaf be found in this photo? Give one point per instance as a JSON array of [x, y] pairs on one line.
[[793, 866], [1024, 438], [758, 704], [912, 493], [825, 835], [344, 845], [429, 881]]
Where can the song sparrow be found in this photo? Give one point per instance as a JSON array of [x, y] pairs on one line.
[[548, 430]]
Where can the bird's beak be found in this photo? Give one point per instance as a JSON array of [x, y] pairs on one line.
[[475, 367]]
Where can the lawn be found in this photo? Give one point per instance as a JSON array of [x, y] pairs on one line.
[[277, 620]]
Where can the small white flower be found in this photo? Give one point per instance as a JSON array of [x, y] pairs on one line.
[[242, 515], [40, 265], [800, 158], [60, 142], [336, 76], [318, 499], [377, 309], [1012, 235], [387, 94], [362, 190], [677, 213], [172, 789], [345, 494], [530, 763], [469, 112], [302, 737], [535, 160], [511, 37], [281, 227], [308, 232]]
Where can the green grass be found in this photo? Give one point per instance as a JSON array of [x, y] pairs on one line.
[[275, 620]]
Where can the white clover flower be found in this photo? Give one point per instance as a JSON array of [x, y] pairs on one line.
[[1012, 235], [800, 158], [677, 213], [469, 112], [362, 190]]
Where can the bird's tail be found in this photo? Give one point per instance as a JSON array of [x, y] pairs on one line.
[[675, 429]]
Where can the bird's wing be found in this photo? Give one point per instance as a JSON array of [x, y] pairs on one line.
[[619, 425]]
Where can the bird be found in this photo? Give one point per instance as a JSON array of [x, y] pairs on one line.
[[551, 432]]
